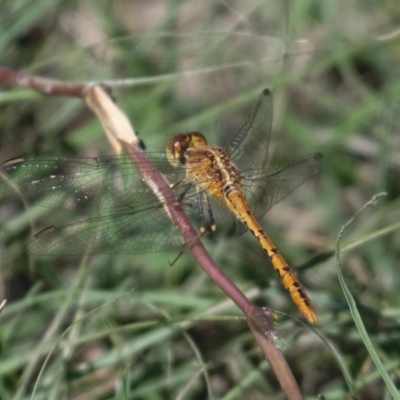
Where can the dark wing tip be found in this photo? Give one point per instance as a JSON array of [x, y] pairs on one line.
[[13, 161], [266, 92]]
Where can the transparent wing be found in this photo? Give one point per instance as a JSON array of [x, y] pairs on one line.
[[248, 146], [270, 187], [76, 183], [264, 189], [127, 232], [121, 214]]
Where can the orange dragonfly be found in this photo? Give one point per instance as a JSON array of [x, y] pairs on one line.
[[221, 189]]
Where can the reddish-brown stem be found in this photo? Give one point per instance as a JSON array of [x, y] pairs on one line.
[[259, 321], [9, 77]]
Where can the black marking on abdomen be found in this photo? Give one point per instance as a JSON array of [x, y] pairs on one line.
[[227, 189], [305, 298], [286, 269]]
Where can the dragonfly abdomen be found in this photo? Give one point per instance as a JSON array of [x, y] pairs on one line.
[[238, 205]]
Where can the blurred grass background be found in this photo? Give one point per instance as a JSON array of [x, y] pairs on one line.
[[141, 329]]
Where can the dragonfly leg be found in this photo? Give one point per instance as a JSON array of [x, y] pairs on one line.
[[183, 182], [200, 200], [185, 190], [205, 229], [210, 226], [187, 246], [211, 219]]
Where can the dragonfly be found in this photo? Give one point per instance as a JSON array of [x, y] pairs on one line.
[[222, 190]]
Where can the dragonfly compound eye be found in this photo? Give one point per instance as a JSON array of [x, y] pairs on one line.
[[180, 143]]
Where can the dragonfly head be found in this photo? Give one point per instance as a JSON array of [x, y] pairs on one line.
[[180, 143]]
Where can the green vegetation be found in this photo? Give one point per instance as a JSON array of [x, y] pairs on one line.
[[130, 327]]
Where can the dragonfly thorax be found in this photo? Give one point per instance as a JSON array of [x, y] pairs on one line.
[[212, 170], [209, 168]]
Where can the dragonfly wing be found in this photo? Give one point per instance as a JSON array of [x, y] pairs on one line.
[[127, 232], [225, 220], [76, 183], [122, 215], [248, 146], [264, 190]]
